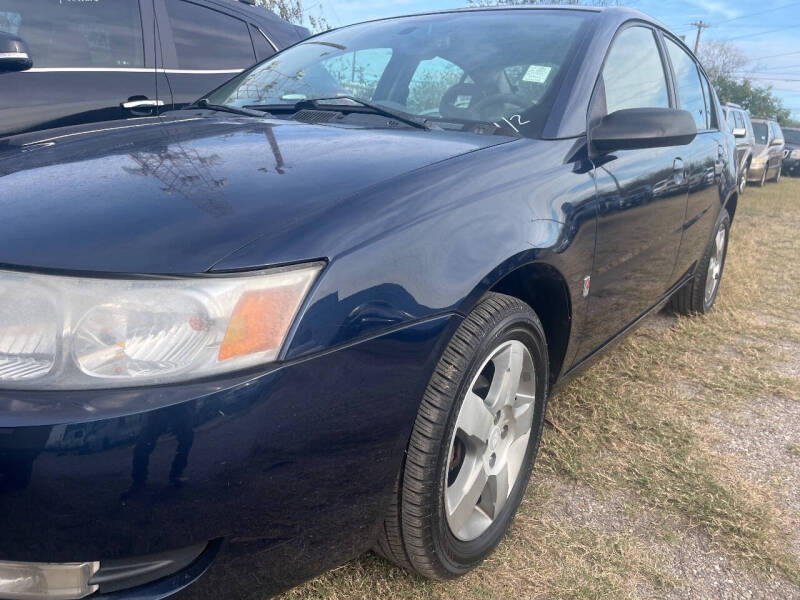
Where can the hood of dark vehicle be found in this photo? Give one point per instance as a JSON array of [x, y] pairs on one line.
[[176, 195]]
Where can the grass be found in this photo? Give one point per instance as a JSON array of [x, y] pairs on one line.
[[631, 464]]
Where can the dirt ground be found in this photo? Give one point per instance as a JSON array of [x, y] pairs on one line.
[[671, 469]]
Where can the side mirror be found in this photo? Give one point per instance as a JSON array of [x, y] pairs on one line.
[[641, 128], [777, 142], [740, 132], [14, 53]]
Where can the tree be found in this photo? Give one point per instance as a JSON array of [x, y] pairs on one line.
[[761, 102], [720, 59], [294, 12]]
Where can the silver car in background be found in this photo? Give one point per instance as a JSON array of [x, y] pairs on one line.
[[767, 160]]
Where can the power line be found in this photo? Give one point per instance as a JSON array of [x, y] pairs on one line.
[[760, 33], [772, 56], [759, 13]]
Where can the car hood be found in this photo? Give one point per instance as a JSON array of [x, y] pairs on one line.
[[176, 195]]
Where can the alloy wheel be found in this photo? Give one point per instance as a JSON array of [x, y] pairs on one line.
[[490, 440], [743, 181], [715, 265]]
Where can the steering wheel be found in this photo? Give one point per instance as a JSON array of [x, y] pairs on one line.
[[497, 99]]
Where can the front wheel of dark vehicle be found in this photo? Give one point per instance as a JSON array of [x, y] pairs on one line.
[[474, 443], [697, 297]]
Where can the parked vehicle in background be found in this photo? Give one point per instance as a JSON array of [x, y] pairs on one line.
[[767, 160], [322, 311], [742, 129], [791, 152], [96, 61]]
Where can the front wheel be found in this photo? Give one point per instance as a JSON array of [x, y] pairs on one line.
[[697, 297], [473, 445], [763, 180], [778, 175]]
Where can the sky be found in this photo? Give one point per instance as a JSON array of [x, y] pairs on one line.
[[761, 28]]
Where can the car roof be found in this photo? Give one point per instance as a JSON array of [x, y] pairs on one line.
[[610, 13]]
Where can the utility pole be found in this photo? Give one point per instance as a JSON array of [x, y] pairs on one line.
[[700, 26]]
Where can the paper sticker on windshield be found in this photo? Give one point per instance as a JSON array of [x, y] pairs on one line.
[[537, 74]]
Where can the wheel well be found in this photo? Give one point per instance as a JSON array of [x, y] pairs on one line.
[[733, 202], [544, 289]]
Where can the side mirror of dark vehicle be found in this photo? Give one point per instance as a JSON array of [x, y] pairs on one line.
[[641, 128], [740, 132], [14, 53]]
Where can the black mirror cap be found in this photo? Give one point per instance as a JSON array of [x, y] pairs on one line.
[[641, 128], [14, 53]]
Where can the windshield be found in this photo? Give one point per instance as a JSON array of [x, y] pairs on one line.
[[792, 136], [762, 133], [457, 70]]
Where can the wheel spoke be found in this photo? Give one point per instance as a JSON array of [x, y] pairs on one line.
[[505, 383], [462, 497], [475, 419], [523, 419], [516, 454], [497, 492]]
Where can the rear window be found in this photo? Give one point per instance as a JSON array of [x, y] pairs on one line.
[[206, 39], [69, 34]]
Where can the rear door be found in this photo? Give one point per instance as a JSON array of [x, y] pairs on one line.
[[641, 195], [203, 47], [705, 158], [91, 60]]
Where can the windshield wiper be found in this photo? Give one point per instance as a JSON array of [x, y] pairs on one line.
[[338, 102], [247, 112]]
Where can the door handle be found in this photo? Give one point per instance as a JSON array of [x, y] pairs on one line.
[[132, 104]]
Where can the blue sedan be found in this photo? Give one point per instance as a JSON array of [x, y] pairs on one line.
[[320, 311]]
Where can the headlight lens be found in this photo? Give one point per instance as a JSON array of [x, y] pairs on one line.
[[79, 333], [795, 154]]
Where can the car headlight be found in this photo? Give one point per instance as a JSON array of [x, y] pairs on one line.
[[79, 333], [795, 154]]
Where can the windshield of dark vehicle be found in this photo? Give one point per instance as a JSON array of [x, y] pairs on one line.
[[792, 136], [454, 69], [762, 133]]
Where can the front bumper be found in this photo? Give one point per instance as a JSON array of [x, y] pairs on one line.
[[289, 471]]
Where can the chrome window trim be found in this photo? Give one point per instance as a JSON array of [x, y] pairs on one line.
[[133, 70], [266, 37]]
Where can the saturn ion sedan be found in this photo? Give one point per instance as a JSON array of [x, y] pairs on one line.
[[320, 311]]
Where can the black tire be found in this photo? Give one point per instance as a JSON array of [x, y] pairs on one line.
[[691, 299], [415, 534]]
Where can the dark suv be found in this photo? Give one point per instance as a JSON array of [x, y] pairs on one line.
[[96, 61], [791, 153]]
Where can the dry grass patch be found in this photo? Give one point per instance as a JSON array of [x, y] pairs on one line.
[[640, 426]]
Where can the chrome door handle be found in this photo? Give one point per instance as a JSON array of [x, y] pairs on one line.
[[142, 104]]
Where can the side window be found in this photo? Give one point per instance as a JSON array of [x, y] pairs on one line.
[[77, 34], [731, 119], [358, 73], [777, 131], [206, 39], [634, 73], [740, 120], [263, 48], [690, 89], [430, 82]]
